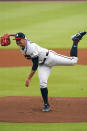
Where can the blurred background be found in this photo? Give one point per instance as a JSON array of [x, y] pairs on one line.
[[49, 24]]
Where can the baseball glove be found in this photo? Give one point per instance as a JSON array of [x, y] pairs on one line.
[[5, 40]]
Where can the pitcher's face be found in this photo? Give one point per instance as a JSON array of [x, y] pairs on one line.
[[21, 42]]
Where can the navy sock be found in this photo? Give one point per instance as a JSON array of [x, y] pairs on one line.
[[74, 49], [44, 92]]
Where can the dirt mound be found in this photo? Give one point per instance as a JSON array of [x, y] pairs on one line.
[[29, 110]]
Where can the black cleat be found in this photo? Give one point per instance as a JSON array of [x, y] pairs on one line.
[[46, 108], [78, 36]]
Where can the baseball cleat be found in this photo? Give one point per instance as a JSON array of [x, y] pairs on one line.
[[46, 108], [78, 36]]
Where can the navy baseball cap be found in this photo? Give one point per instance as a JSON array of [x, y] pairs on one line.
[[19, 36]]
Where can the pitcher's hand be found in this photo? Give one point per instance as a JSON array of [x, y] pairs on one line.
[[27, 83]]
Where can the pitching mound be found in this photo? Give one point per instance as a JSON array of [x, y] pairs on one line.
[[29, 110]]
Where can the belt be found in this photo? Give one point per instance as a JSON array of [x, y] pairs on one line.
[[47, 53]]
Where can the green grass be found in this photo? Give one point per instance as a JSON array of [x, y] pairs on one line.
[[69, 81], [63, 82], [49, 24], [44, 127]]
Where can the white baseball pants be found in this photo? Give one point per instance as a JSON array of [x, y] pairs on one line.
[[53, 59]]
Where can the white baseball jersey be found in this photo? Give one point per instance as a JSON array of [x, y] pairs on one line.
[[33, 50]]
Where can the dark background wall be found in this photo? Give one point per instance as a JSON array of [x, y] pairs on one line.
[[42, 0]]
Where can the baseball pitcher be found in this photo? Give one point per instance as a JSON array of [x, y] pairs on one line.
[[44, 60]]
